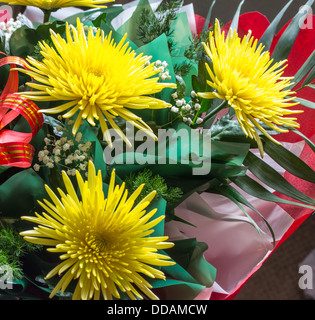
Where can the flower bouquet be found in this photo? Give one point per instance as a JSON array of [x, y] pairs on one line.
[[147, 152]]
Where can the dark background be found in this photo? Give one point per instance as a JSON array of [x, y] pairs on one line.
[[225, 9]]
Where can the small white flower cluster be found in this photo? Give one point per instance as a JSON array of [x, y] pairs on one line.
[[87, 29], [164, 73], [71, 155], [187, 110], [9, 27]]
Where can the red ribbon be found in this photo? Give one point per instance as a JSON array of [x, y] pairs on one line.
[[15, 149]]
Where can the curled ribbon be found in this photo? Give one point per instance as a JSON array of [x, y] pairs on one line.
[[15, 149]]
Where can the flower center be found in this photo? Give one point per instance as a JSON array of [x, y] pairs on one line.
[[94, 70], [98, 242], [96, 73]]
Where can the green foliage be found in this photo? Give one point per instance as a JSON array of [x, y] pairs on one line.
[[24, 40], [12, 248], [151, 25], [37, 50], [196, 51], [152, 182], [182, 69], [287, 39], [169, 7], [2, 41]]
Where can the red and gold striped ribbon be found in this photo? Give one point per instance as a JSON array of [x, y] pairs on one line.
[[16, 154], [15, 149], [16, 105]]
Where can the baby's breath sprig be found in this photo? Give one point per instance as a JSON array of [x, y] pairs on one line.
[[187, 111], [10, 26], [162, 67], [64, 153]]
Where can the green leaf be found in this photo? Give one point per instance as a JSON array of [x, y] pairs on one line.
[[227, 195], [20, 193], [312, 86], [228, 130], [237, 198], [3, 168], [176, 218], [310, 77], [22, 42], [305, 103], [203, 75], [191, 273], [273, 179], [3, 42], [199, 84], [234, 24], [205, 26], [214, 105], [306, 139], [268, 35], [4, 71], [24, 39], [188, 253], [286, 41], [303, 71], [253, 188], [178, 272], [99, 20], [289, 161]]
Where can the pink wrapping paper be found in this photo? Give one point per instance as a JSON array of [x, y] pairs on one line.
[[235, 247]]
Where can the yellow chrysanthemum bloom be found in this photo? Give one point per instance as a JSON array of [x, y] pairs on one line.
[[56, 4], [245, 77], [105, 243], [100, 79]]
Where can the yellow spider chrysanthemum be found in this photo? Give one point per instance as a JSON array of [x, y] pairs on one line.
[[100, 79], [245, 77], [104, 242], [56, 4]]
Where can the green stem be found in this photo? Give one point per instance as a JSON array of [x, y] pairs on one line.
[[47, 14], [166, 124], [302, 87], [213, 112]]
